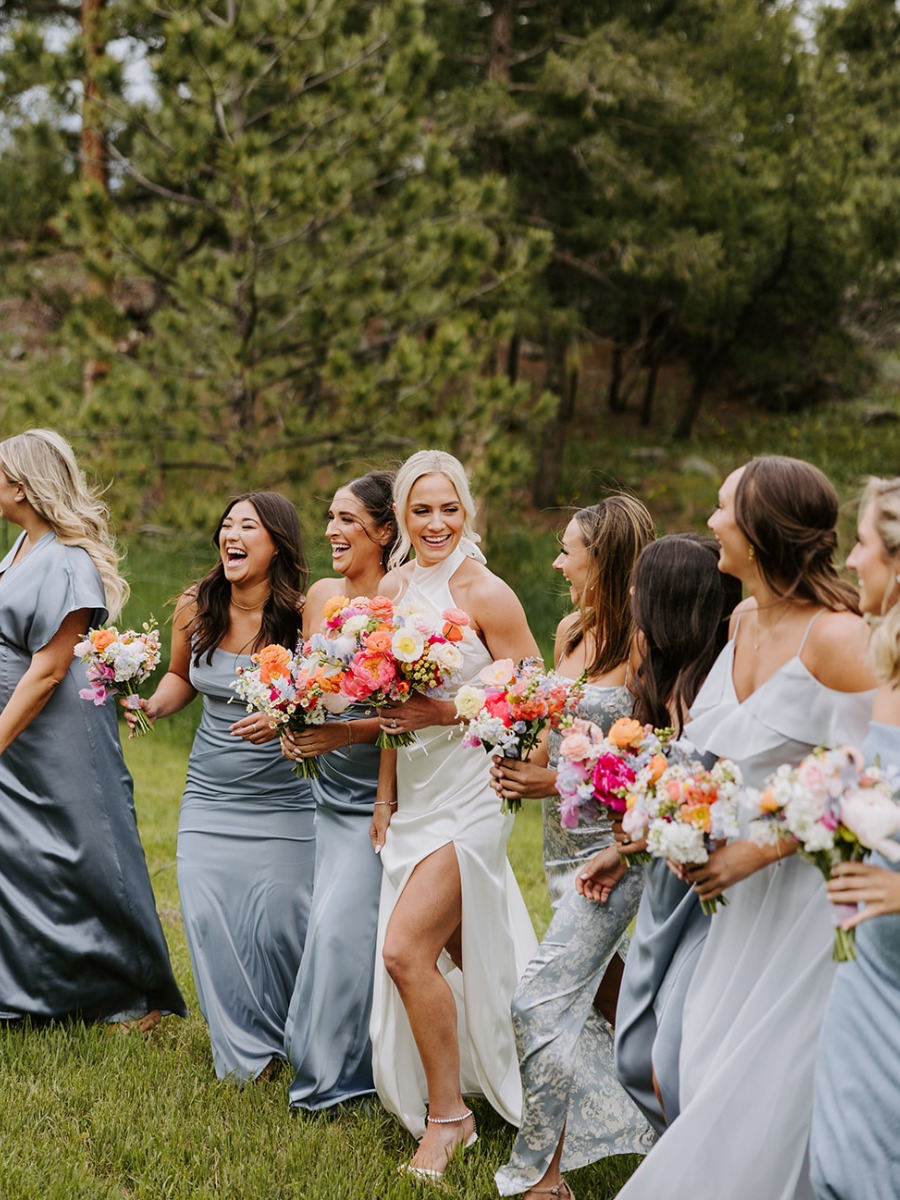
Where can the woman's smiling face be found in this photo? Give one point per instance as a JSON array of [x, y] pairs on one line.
[[245, 545], [434, 518]]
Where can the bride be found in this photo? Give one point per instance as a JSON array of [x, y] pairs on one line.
[[454, 934]]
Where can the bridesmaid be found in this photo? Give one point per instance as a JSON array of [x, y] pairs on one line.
[[853, 1144], [681, 604], [246, 841], [79, 932], [793, 676], [565, 1002], [453, 928], [327, 1035]]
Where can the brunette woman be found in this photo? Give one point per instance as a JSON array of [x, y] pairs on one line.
[[327, 1036], [246, 841], [793, 676]]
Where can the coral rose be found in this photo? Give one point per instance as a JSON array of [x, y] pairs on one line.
[[273, 663], [381, 607], [626, 733], [103, 638]]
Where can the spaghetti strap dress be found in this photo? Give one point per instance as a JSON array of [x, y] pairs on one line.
[[79, 931], [246, 857], [854, 1144], [445, 798], [755, 1004], [327, 1035]]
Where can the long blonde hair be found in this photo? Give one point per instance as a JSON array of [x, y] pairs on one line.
[[429, 462], [44, 463], [884, 648]]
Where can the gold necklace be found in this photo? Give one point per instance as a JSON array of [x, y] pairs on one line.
[[250, 607], [762, 608]]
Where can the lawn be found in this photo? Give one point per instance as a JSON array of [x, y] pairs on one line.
[[89, 1114]]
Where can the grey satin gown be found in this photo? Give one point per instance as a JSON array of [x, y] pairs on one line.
[[565, 1044], [79, 932], [855, 1138], [246, 856], [327, 1034]]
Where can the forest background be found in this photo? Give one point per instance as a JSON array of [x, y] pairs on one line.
[[274, 243]]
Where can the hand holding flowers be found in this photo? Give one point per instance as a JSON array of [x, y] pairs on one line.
[[383, 654], [511, 712], [292, 691], [836, 809], [117, 663], [599, 772]]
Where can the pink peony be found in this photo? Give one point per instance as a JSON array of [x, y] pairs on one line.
[[611, 775]]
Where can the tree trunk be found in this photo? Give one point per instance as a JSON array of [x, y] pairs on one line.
[[94, 170], [512, 357], [701, 371], [614, 397], [558, 380], [650, 390]]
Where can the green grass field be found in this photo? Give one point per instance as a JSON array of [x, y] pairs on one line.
[[88, 1114]]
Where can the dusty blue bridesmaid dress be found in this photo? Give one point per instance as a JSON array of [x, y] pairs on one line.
[[79, 932], [665, 947], [246, 856], [327, 1035], [854, 1143]]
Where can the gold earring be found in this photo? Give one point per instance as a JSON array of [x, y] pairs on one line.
[[751, 553]]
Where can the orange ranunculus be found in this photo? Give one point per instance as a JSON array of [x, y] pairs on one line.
[[333, 607], [626, 732], [699, 815], [328, 681], [453, 633], [768, 803], [378, 642], [273, 662], [381, 607], [656, 766], [103, 638]]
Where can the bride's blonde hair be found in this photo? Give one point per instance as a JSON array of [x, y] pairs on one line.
[[429, 462], [44, 464], [884, 648]]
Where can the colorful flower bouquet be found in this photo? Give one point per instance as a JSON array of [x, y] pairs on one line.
[[684, 811], [515, 706], [117, 663], [382, 653], [837, 810], [292, 691], [597, 771]]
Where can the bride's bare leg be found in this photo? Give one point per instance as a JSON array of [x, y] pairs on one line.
[[425, 920]]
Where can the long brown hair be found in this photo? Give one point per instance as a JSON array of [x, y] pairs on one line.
[[288, 575], [681, 604], [788, 510], [615, 531]]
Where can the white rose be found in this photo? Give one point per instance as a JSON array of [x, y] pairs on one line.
[[469, 701]]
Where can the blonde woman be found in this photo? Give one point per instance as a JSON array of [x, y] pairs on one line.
[[853, 1144], [79, 932], [454, 934]]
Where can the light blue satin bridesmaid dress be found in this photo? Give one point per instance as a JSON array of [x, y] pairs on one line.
[[246, 857], [327, 1034]]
